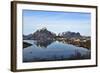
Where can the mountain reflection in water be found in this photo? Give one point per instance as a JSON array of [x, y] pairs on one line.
[[44, 44], [53, 50]]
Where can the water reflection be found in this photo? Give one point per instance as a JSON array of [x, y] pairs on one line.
[[52, 51], [43, 44]]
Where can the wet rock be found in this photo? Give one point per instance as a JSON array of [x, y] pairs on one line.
[[25, 44]]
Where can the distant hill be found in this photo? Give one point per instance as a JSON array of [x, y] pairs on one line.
[[69, 34], [28, 37]]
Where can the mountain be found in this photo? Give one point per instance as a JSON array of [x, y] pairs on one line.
[[43, 35], [69, 34], [28, 37]]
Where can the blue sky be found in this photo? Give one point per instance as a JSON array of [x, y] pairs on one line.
[[56, 22]]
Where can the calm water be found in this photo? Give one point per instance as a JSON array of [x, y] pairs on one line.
[[53, 50]]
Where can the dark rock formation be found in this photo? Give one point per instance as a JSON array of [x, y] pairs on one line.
[[25, 44], [43, 35], [69, 34]]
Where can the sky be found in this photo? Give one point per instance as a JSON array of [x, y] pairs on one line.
[[56, 22]]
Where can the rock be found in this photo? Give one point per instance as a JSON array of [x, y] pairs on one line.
[[43, 35], [69, 34], [25, 44]]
